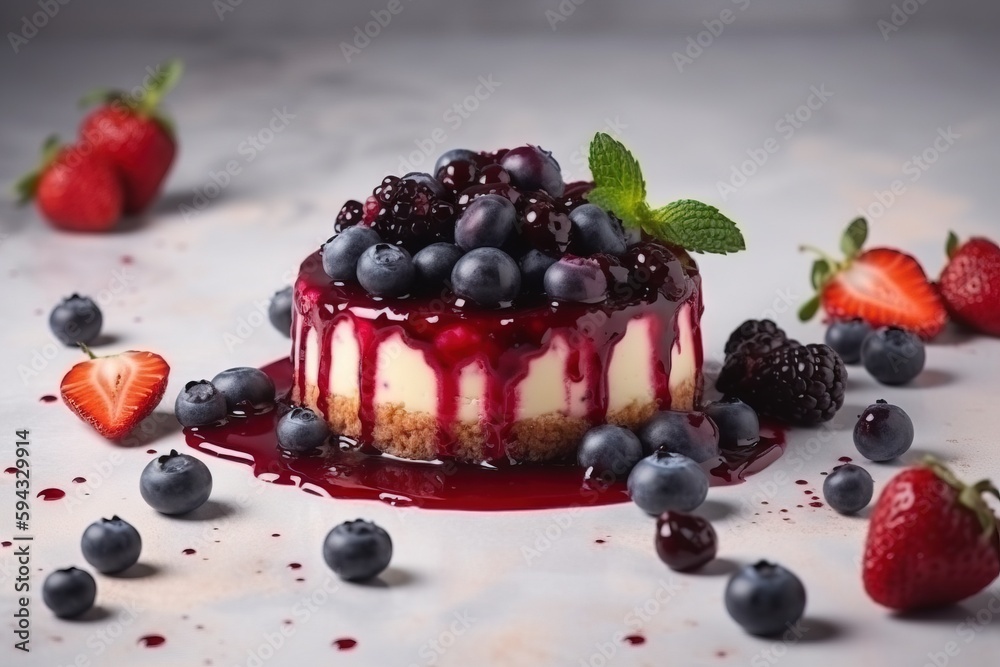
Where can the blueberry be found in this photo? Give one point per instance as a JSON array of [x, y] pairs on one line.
[[301, 430], [455, 155], [111, 545], [597, 231], [665, 481], [357, 550], [70, 592], [534, 264], [883, 432], [532, 168], [342, 252], [434, 263], [892, 355], [848, 489], [579, 279], [76, 319], [487, 276], [280, 311], [764, 598], [608, 451], [175, 483], [846, 337], [200, 404], [386, 270], [690, 434], [487, 223], [738, 424], [244, 386]]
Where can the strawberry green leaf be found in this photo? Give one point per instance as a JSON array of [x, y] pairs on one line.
[[854, 237], [696, 227], [951, 247], [809, 309], [26, 186], [821, 271]]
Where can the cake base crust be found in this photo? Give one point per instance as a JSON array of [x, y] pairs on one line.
[[414, 435]]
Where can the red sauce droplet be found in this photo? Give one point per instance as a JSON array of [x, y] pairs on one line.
[[764, 502], [845, 459], [189, 552], [635, 640], [51, 494], [824, 473], [48, 398], [816, 504], [127, 259], [275, 534], [599, 541], [801, 481], [345, 643], [783, 510], [79, 480], [359, 475], [799, 505], [11, 471], [6, 544], [150, 451], [152, 641], [300, 579], [815, 498], [808, 492], [294, 566]]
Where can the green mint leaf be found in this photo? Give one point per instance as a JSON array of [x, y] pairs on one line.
[[618, 179], [952, 245], [697, 227], [809, 309], [854, 237]]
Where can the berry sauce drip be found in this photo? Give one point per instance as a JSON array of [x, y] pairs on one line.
[[152, 641], [48, 398], [6, 544], [11, 470], [79, 480], [51, 494], [351, 474], [502, 342], [635, 640], [344, 643], [189, 552]]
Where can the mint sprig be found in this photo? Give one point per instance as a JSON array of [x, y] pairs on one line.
[[620, 188]]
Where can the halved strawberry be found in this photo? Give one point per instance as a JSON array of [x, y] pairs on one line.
[[113, 394], [882, 286]]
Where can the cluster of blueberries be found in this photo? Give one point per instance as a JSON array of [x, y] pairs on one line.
[[664, 462], [569, 250], [892, 355]]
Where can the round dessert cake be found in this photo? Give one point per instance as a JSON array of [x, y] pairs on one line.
[[456, 359]]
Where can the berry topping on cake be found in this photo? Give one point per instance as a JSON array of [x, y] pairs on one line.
[[970, 283], [781, 378], [882, 286], [113, 394], [515, 201]]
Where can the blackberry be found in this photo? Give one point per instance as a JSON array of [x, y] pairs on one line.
[[411, 214], [654, 267], [458, 175], [350, 214], [798, 384], [493, 173], [575, 195], [545, 227], [751, 328], [474, 192]]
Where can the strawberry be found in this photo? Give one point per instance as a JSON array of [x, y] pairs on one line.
[[882, 286], [113, 394], [129, 130], [970, 283], [74, 188], [932, 540]]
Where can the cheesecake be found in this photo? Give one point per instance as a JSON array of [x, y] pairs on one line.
[[489, 314]]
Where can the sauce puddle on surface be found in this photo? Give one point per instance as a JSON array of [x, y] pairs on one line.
[[338, 472]]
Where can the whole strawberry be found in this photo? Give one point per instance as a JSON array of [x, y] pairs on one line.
[[130, 131], [970, 283], [74, 188], [932, 540], [882, 286]]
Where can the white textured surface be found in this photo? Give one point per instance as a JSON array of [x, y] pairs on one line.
[[468, 589]]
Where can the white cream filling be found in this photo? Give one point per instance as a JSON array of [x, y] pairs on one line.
[[405, 377]]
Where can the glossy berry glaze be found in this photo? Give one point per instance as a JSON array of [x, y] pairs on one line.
[[345, 472], [452, 334]]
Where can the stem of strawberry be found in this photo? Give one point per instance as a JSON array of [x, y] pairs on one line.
[[808, 248], [83, 346]]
